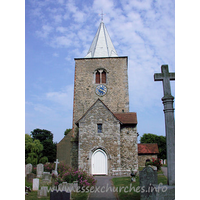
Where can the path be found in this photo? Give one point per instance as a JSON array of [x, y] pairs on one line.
[[103, 184], [164, 170]]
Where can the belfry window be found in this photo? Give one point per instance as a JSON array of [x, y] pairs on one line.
[[103, 77], [97, 77], [100, 76]]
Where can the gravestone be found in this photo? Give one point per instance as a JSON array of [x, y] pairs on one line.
[[35, 184], [29, 168], [30, 177], [161, 161], [46, 177], [168, 100], [58, 195], [56, 167], [43, 191], [165, 162], [40, 170], [147, 177]]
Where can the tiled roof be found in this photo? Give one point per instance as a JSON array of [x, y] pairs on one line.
[[127, 118], [124, 118], [148, 148]]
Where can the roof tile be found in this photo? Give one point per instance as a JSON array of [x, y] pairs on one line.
[[148, 148], [127, 118]]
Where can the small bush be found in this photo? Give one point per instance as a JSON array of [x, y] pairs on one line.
[[69, 174], [48, 167], [155, 162]]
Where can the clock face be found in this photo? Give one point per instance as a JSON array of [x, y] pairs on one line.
[[101, 90]]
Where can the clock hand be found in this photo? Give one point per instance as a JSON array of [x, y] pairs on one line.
[[102, 90]]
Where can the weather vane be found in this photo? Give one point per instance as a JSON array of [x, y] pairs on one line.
[[102, 15]]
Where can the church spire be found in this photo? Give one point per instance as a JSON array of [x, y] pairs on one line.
[[102, 45]]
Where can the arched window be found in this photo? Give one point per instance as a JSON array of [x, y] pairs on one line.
[[103, 77], [100, 76], [97, 77]]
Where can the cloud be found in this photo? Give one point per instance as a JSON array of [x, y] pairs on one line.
[[55, 55], [61, 41], [58, 18], [62, 29], [46, 30], [42, 108], [63, 98]]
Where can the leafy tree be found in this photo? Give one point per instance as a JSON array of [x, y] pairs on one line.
[[46, 138], [67, 131], [42, 134], [160, 140], [33, 150]]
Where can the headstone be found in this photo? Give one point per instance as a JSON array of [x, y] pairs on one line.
[[46, 177], [63, 186], [168, 100], [30, 177], [56, 167], [43, 191], [163, 192], [165, 161], [40, 170], [35, 184], [161, 161], [59, 195], [147, 177], [29, 168]]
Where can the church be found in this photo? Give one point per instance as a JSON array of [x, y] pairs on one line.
[[103, 139]]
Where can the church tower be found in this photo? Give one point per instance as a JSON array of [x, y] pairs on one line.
[[103, 139], [101, 74]]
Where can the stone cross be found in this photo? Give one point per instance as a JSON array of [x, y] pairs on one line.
[[165, 77], [56, 164], [168, 100]]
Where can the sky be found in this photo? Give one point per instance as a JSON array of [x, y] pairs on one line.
[[57, 31]]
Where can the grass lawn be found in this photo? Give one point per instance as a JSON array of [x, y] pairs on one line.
[[131, 187], [33, 194]]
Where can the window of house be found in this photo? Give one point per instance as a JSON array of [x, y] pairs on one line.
[[99, 128], [100, 76]]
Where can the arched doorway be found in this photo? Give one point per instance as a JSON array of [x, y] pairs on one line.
[[99, 162]]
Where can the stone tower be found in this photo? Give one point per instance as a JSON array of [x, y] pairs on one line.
[[101, 66], [104, 131]]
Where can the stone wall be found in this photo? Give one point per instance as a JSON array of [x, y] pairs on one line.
[[142, 159], [129, 148], [90, 140], [117, 96]]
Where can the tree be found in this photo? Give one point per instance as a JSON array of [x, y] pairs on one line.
[[67, 131], [46, 138], [42, 134], [33, 150], [160, 140]]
